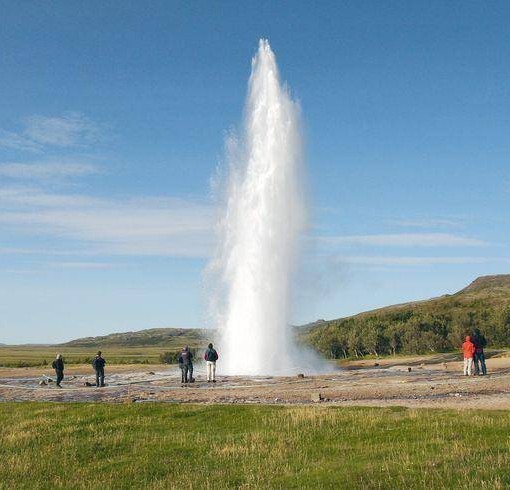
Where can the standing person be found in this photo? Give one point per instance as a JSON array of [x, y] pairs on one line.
[[469, 351], [210, 357], [480, 342], [98, 365], [58, 366], [184, 371], [186, 365]]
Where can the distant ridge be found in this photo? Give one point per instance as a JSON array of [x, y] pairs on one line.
[[433, 325], [149, 337], [494, 290]]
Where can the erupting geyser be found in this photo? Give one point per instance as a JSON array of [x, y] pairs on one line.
[[259, 232]]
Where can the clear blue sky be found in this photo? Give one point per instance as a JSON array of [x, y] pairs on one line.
[[112, 122]]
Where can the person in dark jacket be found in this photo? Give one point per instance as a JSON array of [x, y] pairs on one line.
[[98, 365], [186, 365], [210, 357], [58, 366], [479, 359]]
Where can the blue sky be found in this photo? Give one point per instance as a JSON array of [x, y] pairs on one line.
[[113, 120]]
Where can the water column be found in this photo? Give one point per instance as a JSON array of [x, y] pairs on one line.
[[259, 233]]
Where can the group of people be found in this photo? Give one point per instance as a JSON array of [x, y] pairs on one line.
[[185, 361], [474, 356], [98, 364], [473, 349], [185, 364]]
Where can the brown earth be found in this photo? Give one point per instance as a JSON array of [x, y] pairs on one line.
[[418, 381]]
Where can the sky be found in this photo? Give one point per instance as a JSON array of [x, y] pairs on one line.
[[113, 120]]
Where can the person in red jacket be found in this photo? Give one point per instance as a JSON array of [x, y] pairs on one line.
[[469, 351]]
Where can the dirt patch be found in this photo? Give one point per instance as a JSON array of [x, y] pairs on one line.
[[432, 381]]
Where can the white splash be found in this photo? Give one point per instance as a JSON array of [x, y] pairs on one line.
[[259, 232]]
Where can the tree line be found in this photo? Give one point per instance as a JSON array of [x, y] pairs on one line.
[[410, 331]]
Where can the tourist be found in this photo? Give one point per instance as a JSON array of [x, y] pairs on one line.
[[469, 351], [186, 365], [98, 365], [58, 366], [210, 357], [479, 359]]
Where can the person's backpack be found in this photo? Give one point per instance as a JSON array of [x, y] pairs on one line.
[[94, 362], [54, 364]]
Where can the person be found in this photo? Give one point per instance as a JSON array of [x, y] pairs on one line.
[[58, 366], [210, 357], [98, 365], [186, 365], [479, 359], [469, 351]]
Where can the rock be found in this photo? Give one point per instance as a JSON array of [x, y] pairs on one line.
[[376, 364], [43, 382], [150, 372], [409, 369], [316, 397], [301, 375]]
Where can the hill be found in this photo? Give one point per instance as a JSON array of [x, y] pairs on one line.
[[437, 324], [167, 337]]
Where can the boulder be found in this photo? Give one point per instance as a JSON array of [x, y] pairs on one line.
[[300, 375]]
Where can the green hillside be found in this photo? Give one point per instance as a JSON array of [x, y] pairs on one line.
[[434, 325], [167, 337]]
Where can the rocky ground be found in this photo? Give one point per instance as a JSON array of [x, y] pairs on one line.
[[426, 381]]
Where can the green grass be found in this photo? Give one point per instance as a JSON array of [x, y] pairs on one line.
[[26, 356], [189, 446]]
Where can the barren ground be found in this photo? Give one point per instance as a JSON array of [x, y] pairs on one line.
[[420, 381]]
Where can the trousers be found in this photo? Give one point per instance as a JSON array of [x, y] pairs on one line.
[[479, 362], [211, 370], [186, 373], [468, 364], [100, 377]]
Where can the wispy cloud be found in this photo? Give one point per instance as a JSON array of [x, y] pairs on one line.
[[70, 130], [18, 142], [417, 261], [404, 240], [82, 265], [425, 223], [141, 226], [46, 170]]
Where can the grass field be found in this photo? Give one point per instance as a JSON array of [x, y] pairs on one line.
[[189, 446], [27, 356]]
